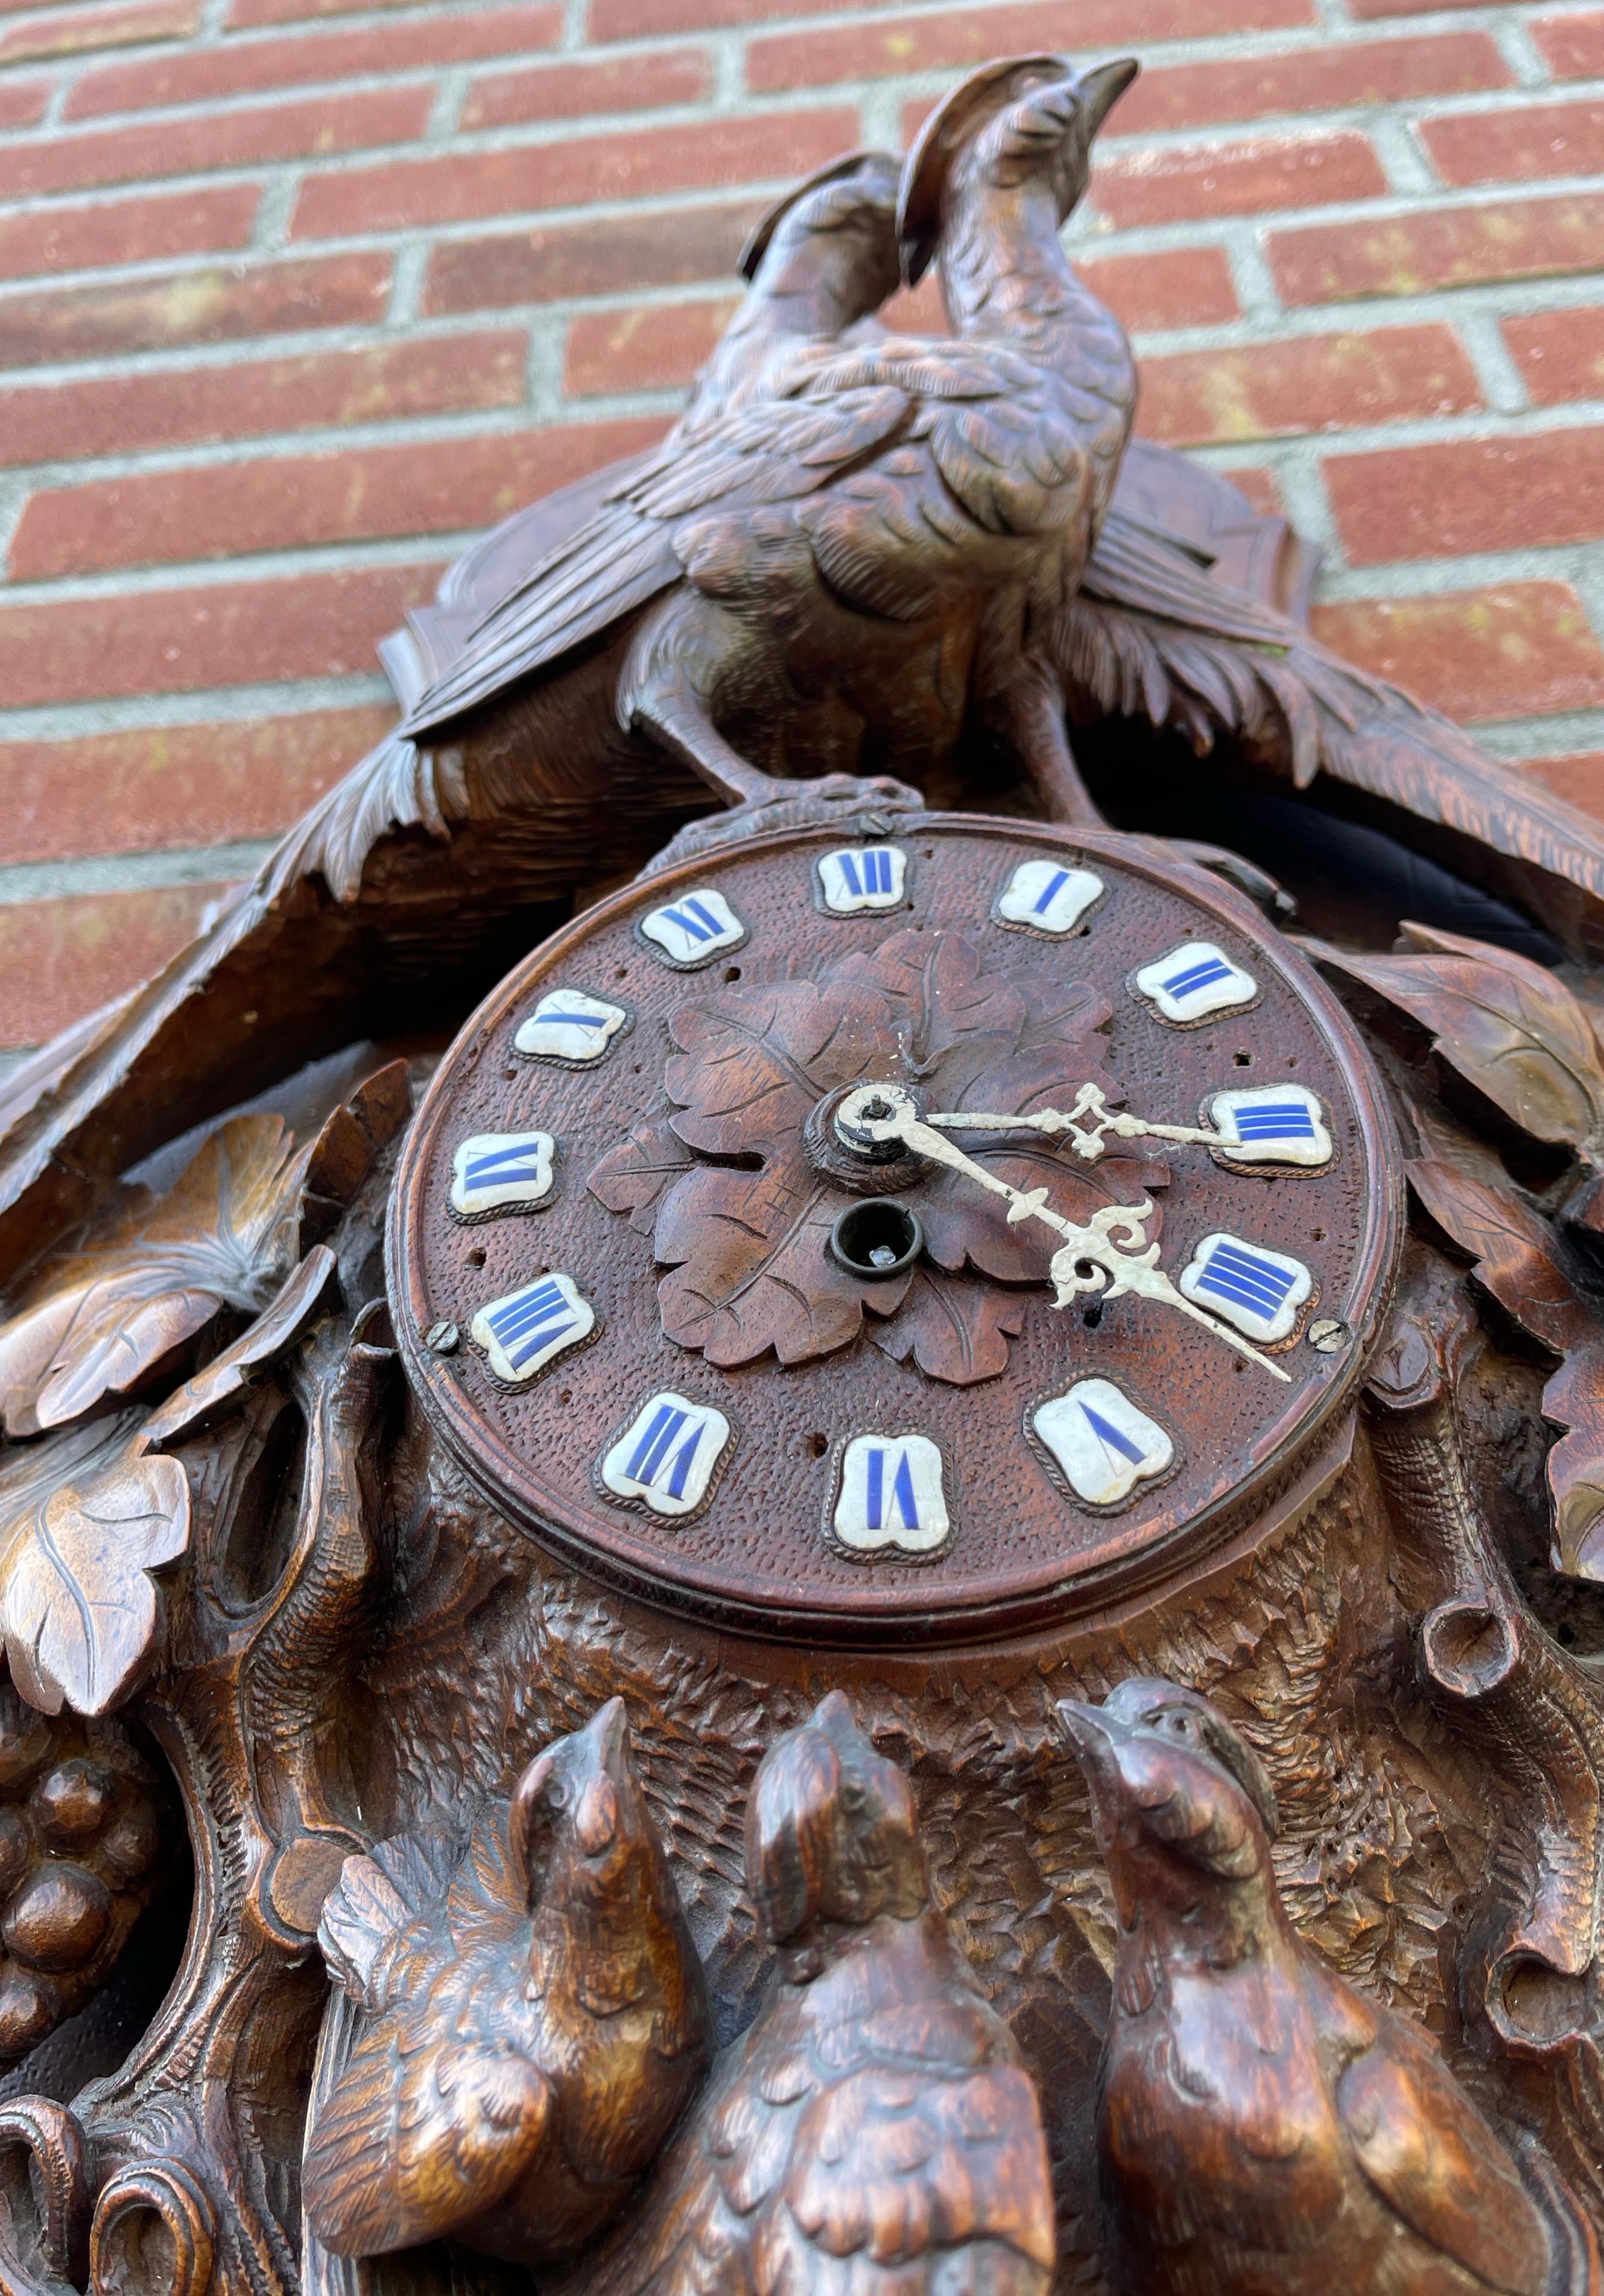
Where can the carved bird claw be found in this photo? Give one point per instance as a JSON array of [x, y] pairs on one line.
[[855, 804]]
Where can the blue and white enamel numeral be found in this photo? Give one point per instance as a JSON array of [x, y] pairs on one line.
[[694, 928], [667, 1455], [863, 877], [1273, 1124], [1194, 981], [569, 1026], [495, 1170], [1259, 1292], [521, 1333], [1104, 1446], [1048, 896], [891, 1495]]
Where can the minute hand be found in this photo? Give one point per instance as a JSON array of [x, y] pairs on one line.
[[1116, 1271]]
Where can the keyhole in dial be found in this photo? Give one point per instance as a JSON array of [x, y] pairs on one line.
[[876, 1240]]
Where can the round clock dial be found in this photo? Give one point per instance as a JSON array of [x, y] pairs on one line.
[[899, 1237]]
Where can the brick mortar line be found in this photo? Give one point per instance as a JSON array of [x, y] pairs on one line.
[[156, 871], [246, 704]]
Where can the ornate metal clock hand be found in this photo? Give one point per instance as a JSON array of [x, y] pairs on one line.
[[1089, 1139], [1091, 1258]]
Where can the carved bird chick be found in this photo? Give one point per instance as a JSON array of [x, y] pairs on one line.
[[531, 2019], [873, 2129], [1263, 2127]]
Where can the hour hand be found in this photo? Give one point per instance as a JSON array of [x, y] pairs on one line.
[[1090, 1259]]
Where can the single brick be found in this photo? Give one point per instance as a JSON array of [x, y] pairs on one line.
[[74, 31], [1559, 353], [1465, 495], [22, 101], [1312, 79], [610, 256], [570, 91], [458, 185], [1513, 650], [49, 325], [250, 66], [60, 959], [113, 414], [166, 786], [1311, 382], [1579, 780], [298, 501], [1176, 183], [315, 125], [1182, 287], [655, 348], [1518, 146], [126, 231], [1572, 46], [304, 625], [885, 45], [1450, 247]]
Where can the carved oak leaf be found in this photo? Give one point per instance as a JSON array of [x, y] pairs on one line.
[[1514, 1031], [1573, 1400], [632, 1176], [84, 1521], [954, 1331], [112, 1315], [749, 1270], [203, 1399], [1513, 1247], [1518, 1261], [752, 1065], [745, 1240]]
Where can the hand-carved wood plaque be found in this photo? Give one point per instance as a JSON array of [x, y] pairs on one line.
[[1133, 1269]]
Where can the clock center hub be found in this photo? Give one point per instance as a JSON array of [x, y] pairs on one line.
[[841, 1144]]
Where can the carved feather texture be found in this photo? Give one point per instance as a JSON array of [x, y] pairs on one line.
[[1151, 636]]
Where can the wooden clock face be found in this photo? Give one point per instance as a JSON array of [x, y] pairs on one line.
[[705, 1271]]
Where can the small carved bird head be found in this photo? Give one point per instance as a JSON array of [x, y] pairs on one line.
[[1185, 1812], [1026, 122], [844, 214], [831, 1831], [578, 1808]]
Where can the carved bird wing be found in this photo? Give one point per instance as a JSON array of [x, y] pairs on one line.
[[768, 451], [418, 2133], [886, 2153], [378, 1917], [1433, 2159], [1150, 636]]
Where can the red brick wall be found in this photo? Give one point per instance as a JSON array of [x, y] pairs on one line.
[[295, 294]]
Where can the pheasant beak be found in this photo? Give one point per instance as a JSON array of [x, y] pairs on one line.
[[608, 1731], [1101, 90], [1095, 1738]]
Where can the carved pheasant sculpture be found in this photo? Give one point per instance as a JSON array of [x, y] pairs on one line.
[[518, 2026], [1263, 2127], [856, 554], [873, 2129]]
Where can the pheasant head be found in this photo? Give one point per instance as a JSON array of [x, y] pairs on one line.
[[1184, 1814], [1024, 126], [832, 1837]]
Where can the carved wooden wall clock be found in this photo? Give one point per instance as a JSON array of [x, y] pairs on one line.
[[855, 1544], [1103, 1268]]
